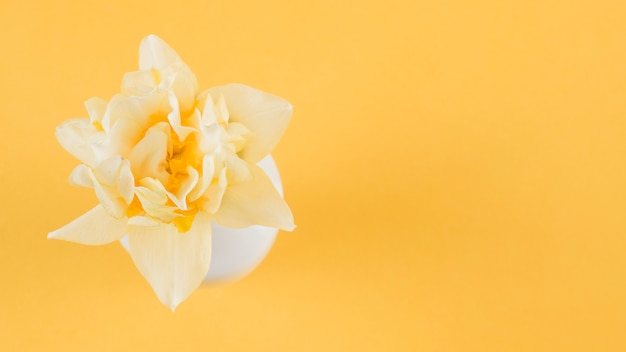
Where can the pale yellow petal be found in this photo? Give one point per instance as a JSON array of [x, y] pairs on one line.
[[175, 121], [238, 135], [96, 107], [179, 197], [210, 138], [237, 170], [107, 195], [179, 79], [264, 114], [155, 53], [153, 197], [95, 227], [209, 115], [215, 193], [208, 171], [126, 182], [174, 74], [107, 172], [127, 119], [110, 200], [80, 176], [148, 157], [173, 263], [140, 220], [74, 136], [255, 202], [222, 109], [194, 120], [140, 82]]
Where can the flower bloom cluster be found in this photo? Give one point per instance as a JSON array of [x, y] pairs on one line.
[[165, 160]]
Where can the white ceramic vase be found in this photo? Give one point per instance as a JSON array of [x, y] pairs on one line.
[[236, 252]]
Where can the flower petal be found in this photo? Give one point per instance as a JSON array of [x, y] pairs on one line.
[[109, 199], [175, 121], [153, 198], [148, 157], [126, 182], [140, 220], [127, 119], [179, 197], [107, 195], [174, 74], [208, 171], [155, 53], [173, 263], [215, 193], [95, 227], [140, 82], [255, 202], [264, 114], [74, 136], [179, 79], [237, 170], [107, 172], [80, 176], [96, 108]]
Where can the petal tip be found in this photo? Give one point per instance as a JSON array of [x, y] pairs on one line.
[[151, 39], [155, 53]]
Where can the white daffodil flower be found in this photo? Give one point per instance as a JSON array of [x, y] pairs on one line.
[[165, 160]]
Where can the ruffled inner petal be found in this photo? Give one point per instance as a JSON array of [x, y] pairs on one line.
[[264, 114], [148, 157]]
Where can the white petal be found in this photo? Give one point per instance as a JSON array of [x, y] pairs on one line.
[[264, 114], [155, 53], [95, 227], [96, 108], [148, 157], [80, 176], [210, 138], [194, 119], [107, 195], [215, 193], [179, 79], [140, 82], [209, 115], [140, 220], [180, 197], [173, 263], [255, 202], [237, 133], [126, 182], [237, 170], [110, 201], [127, 119], [174, 118], [222, 109], [153, 197], [208, 171], [175, 74], [74, 136], [107, 172]]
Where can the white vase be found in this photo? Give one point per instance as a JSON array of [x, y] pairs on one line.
[[236, 252]]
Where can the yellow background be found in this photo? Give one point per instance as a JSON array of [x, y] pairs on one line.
[[457, 171]]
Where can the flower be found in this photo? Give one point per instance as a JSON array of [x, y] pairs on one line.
[[165, 160]]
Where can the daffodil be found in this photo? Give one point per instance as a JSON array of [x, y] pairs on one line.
[[165, 160]]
